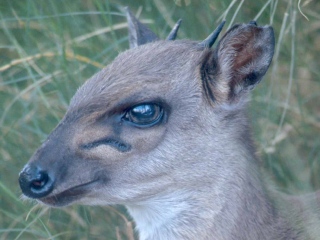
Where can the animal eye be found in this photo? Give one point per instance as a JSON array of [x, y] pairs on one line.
[[145, 115]]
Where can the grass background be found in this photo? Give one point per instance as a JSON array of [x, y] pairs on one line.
[[49, 48]]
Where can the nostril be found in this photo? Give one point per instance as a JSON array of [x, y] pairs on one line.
[[40, 181], [34, 182]]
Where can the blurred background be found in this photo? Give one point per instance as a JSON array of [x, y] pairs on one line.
[[49, 48]]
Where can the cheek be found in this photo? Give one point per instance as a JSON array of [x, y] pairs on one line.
[[141, 142], [144, 140], [106, 154], [89, 134]]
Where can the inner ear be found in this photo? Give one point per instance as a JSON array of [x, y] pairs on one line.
[[240, 60]]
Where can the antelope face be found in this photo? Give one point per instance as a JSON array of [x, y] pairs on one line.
[[150, 122], [113, 145]]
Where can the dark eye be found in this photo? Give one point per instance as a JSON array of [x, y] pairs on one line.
[[145, 115]]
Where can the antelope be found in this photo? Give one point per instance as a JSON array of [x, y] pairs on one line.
[[163, 130]]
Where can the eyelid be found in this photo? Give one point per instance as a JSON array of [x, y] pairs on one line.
[[117, 111], [158, 118]]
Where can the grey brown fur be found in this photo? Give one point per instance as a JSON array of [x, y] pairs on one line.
[[193, 175]]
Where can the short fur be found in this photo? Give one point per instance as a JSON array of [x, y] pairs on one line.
[[195, 175]]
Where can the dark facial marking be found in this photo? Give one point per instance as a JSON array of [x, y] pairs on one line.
[[117, 144]]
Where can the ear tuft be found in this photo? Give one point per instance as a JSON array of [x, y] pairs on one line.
[[139, 33]]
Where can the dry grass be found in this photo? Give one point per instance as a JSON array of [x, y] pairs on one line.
[[49, 48]]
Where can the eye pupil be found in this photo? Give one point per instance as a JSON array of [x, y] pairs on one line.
[[144, 114]]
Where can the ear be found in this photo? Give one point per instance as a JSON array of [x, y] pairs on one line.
[[238, 63], [138, 33]]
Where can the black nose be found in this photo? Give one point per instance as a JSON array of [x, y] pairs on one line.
[[34, 182]]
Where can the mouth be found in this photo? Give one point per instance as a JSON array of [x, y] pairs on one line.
[[70, 195]]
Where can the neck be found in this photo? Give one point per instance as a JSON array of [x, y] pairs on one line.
[[238, 210], [178, 215]]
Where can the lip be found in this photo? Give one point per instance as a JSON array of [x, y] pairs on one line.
[[69, 195]]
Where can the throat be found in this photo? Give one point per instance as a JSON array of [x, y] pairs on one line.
[[233, 211], [157, 219], [175, 216]]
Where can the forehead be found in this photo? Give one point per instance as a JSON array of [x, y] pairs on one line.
[[154, 69]]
